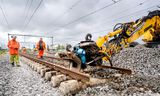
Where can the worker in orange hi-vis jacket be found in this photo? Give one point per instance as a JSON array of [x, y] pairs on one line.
[[13, 46], [41, 46]]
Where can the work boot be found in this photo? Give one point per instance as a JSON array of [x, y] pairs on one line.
[[18, 65], [12, 64], [83, 66]]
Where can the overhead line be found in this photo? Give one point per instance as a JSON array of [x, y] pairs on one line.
[[33, 14], [139, 4], [134, 13], [4, 15], [75, 4], [91, 13], [129, 15], [70, 8], [27, 2], [25, 20]]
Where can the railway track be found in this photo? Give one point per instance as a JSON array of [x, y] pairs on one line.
[[57, 71], [75, 75]]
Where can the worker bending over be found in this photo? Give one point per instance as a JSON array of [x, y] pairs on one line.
[[24, 50], [13, 46], [41, 46]]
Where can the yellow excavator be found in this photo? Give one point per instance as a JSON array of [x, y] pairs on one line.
[[126, 33], [93, 53]]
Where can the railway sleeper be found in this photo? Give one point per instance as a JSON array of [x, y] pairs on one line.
[[56, 80], [36, 66], [65, 83], [70, 87], [49, 74], [39, 68], [43, 71]]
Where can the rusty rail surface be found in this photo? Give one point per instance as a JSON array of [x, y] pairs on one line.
[[51, 57], [50, 52], [73, 74], [128, 71]]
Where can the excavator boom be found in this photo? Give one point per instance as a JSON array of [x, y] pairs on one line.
[[121, 37], [93, 53]]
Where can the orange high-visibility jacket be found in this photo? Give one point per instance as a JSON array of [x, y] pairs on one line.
[[43, 45], [13, 46]]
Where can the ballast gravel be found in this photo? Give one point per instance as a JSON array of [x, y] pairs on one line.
[[23, 81], [144, 80]]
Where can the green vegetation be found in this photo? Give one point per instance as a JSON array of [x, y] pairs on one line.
[[60, 48], [2, 51]]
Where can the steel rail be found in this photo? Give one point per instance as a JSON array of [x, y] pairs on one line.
[[51, 57], [73, 74], [128, 71]]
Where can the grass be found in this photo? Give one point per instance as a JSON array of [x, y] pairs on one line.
[[2, 51]]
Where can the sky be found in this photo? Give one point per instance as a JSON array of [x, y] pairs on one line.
[[55, 18]]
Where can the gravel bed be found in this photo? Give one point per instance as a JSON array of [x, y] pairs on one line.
[[144, 81], [144, 61], [23, 81]]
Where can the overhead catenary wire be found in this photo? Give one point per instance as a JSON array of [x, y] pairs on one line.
[[29, 20], [90, 13], [26, 4], [67, 11], [1, 22], [139, 4], [132, 13], [75, 4], [27, 12], [139, 11], [70, 8], [4, 15], [126, 16]]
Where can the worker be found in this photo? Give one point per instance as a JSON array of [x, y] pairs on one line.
[[24, 50], [13, 46], [41, 46], [82, 54]]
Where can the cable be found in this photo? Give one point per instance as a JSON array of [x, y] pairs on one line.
[[30, 4], [27, 2], [25, 10], [75, 4], [133, 13], [33, 14], [128, 15], [1, 22], [91, 13], [139, 4], [70, 8], [4, 15]]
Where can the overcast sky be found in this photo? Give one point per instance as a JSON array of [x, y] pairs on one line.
[[52, 16]]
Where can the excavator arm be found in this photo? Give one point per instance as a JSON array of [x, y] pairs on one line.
[[126, 33], [92, 53]]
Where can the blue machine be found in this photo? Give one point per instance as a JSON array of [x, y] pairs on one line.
[[81, 54]]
